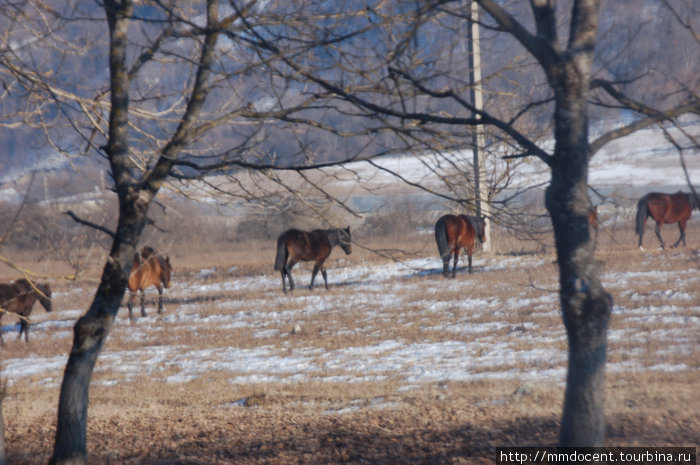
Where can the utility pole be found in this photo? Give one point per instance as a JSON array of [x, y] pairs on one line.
[[478, 140]]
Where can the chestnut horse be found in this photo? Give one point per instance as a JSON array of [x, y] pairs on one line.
[[19, 297], [149, 269], [315, 246], [665, 208], [453, 232]]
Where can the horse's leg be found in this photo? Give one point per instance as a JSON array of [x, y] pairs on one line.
[[454, 266], [284, 285], [23, 328], [142, 294], [160, 299], [288, 270], [681, 228], [325, 276], [317, 266], [657, 230], [130, 305], [469, 258]]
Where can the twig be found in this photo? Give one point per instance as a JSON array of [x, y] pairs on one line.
[[89, 223]]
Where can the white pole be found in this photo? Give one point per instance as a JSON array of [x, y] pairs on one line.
[[478, 140]]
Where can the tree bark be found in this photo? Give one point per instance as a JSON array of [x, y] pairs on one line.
[[585, 305], [89, 335], [586, 309]]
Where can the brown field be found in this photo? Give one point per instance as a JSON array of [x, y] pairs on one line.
[[145, 412]]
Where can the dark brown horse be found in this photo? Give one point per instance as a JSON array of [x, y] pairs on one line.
[[315, 246], [453, 232], [665, 209], [19, 297], [149, 269]]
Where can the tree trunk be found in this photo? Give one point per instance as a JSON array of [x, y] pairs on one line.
[[585, 305], [586, 308], [89, 335]]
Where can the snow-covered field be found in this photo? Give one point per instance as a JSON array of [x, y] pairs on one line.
[[457, 331]]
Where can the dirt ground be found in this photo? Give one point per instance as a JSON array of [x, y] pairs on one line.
[[425, 428]]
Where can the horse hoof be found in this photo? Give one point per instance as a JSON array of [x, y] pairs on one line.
[[641, 248]]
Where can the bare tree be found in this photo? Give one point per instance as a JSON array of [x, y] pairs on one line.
[[146, 142]]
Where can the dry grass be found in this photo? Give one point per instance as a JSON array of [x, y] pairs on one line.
[[136, 418]]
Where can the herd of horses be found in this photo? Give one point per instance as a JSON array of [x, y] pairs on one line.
[[452, 234]]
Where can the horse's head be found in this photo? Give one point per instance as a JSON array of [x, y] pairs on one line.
[[41, 291], [693, 201], [44, 295], [165, 270], [345, 240], [481, 228]]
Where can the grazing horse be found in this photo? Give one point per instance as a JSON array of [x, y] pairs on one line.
[[455, 231], [149, 269], [19, 297], [665, 208], [315, 246]]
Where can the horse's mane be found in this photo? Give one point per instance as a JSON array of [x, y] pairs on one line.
[[147, 251], [475, 223], [336, 235]]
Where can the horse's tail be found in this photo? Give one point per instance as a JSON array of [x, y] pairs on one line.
[[281, 257], [441, 238], [642, 213]]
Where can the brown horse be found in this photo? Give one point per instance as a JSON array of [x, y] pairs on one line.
[[149, 269], [665, 208], [19, 297], [315, 246], [453, 232]]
